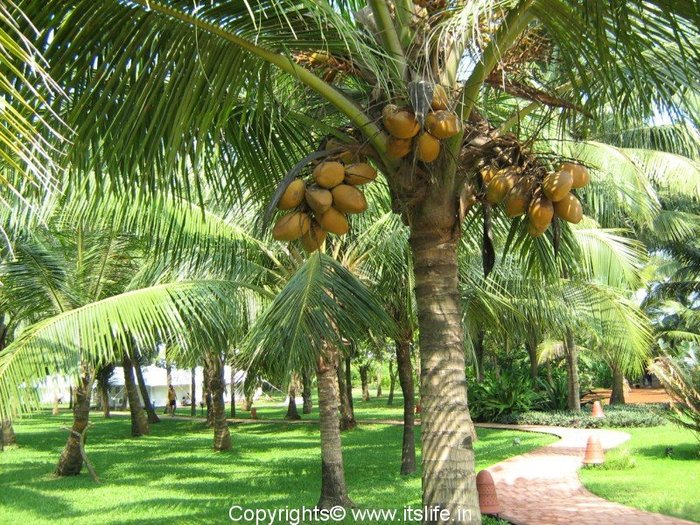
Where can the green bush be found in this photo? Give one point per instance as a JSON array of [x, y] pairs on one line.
[[553, 396], [615, 417], [507, 393]]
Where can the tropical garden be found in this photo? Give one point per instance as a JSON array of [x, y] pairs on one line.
[[390, 234]]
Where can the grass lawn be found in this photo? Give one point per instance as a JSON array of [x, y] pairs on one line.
[[669, 485], [174, 476]]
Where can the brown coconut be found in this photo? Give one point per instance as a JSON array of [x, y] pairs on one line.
[[556, 185], [398, 148], [487, 174], [348, 199], [360, 173], [440, 100], [499, 186], [293, 195], [442, 124], [329, 174], [569, 209], [313, 239], [291, 226], [517, 200], [427, 148], [400, 123], [319, 199], [334, 222], [540, 212], [580, 174]]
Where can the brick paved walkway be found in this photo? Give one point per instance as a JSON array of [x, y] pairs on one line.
[[542, 487]]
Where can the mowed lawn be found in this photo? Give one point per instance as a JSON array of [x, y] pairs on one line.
[[174, 476], [658, 483]]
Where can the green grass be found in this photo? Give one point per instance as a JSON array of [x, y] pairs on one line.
[[655, 482], [174, 476]]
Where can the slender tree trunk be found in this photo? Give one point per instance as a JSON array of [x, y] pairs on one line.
[[104, 395], [347, 414], [206, 392], [306, 393], [408, 449], [8, 433], [348, 381], [479, 355], [70, 398], [233, 392], [532, 354], [139, 422], [334, 491], [572, 377], [71, 461], [193, 392], [215, 369], [379, 382], [392, 383], [449, 480], [364, 379], [248, 392], [150, 411], [292, 412], [617, 397]]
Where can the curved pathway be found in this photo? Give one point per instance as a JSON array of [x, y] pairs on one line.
[[542, 487]]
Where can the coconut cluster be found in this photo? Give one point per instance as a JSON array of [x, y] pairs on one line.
[[541, 200], [322, 202], [406, 135]]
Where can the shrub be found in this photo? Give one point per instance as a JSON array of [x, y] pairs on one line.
[[615, 417], [553, 396], [507, 393]]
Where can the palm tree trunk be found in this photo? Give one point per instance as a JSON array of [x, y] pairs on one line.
[[347, 414], [248, 392], [306, 394], [379, 383], [348, 381], [334, 491], [233, 392], [193, 392], [71, 461], [206, 392], [8, 433], [479, 356], [150, 411], [572, 376], [215, 383], [104, 396], [292, 412], [139, 422], [408, 449], [449, 480], [617, 397], [364, 372], [532, 354], [392, 383]]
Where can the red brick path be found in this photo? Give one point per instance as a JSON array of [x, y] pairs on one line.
[[542, 487]]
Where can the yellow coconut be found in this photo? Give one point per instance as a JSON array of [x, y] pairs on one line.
[[329, 174], [556, 185], [348, 199], [398, 148], [291, 226], [442, 124], [534, 232], [540, 212], [400, 123], [440, 100], [343, 154], [569, 209], [318, 199], [360, 173], [580, 174], [427, 148], [496, 190], [487, 174], [517, 200], [313, 239], [293, 195], [334, 222]]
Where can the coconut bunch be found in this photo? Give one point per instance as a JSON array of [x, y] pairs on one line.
[[406, 134], [321, 202], [541, 199]]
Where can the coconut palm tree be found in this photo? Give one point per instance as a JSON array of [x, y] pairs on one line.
[[220, 55]]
